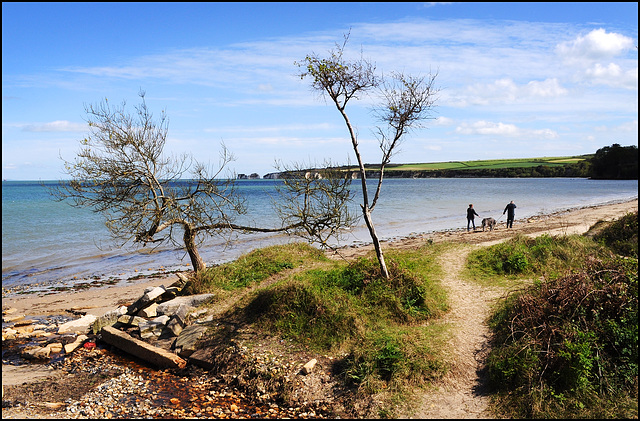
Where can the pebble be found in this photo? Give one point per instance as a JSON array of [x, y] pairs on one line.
[[135, 391]]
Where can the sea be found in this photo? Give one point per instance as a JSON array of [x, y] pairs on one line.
[[47, 243]]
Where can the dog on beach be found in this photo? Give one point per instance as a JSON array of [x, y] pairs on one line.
[[488, 222]]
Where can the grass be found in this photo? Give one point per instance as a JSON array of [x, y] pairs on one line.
[[565, 339], [567, 345], [481, 164]]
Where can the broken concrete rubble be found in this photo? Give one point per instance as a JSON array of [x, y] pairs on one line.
[[153, 327], [148, 298], [185, 344], [108, 319], [69, 348], [81, 325]]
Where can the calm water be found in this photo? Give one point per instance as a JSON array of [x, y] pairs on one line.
[[45, 241]]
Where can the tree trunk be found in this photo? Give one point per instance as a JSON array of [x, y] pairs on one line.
[[376, 243], [190, 245]]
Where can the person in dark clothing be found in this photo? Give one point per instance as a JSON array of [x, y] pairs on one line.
[[470, 217], [510, 209]]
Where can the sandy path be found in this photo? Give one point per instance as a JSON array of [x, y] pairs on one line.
[[460, 393]]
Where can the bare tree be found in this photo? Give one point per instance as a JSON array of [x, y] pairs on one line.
[[406, 102], [314, 201], [121, 172]]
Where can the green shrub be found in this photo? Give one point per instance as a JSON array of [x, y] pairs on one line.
[[621, 236], [568, 341]]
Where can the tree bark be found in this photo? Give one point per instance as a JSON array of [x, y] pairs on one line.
[[376, 242], [190, 245]]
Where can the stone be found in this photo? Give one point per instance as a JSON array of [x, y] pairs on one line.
[[178, 320], [10, 318], [69, 348], [154, 355], [148, 298], [127, 319], [34, 352], [308, 367], [203, 358], [81, 325], [150, 311], [55, 348], [171, 306], [153, 327], [108, 319], [185, 344]]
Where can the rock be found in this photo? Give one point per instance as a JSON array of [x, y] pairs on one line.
[[153, 327], [171, 306], [69, 348], [9, 333], [54, 405], [23, 322], [80, 325], [203, 358], [178, 320], [34, 352], [108, 319], [181, 282], [308, 367], [141, 349], [148, 298], [126, 319], [24, 331], [55, 347], [10, 318], [185, 344], [149, 311]]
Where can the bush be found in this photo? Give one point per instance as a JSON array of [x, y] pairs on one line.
[[568, 341], [621, 236]]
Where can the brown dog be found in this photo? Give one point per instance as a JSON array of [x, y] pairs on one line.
[[489, 222]]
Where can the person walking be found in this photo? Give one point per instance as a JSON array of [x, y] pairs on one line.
[[471, 213], [510, 209]]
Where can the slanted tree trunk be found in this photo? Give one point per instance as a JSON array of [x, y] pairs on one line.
[[190, 245], [376, 242]]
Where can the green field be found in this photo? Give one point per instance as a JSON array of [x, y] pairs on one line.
[[486, 163]]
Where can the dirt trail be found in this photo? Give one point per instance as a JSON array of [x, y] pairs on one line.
[[460, 394]]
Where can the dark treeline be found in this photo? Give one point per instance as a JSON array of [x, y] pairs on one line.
[[615, 162]]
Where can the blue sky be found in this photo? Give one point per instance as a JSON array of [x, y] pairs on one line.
[[517, 80]]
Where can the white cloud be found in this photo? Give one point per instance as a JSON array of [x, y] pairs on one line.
[[596, 45], [502, 129], [613, 75], [487, 128], [443, 121], [505, 90], [546, 88], [56, 126]]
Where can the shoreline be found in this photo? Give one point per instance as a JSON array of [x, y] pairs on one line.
[[97, 300]]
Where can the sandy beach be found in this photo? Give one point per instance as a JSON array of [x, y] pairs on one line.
[[99, 300]]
